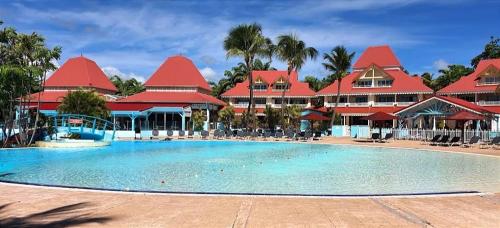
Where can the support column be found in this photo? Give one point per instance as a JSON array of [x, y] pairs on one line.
[[183, 124], [164, 121], [207, 123], [434, 123], [132, 118]]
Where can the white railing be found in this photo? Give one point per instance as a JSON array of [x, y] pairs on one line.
[[405, 103], [488, 102], [332, 104], [383, 104], [428, 134], [360, 104], [244, 105]]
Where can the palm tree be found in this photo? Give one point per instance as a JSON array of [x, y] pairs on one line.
[[83, 102], [246, 41], [294, 52], [338, 62]]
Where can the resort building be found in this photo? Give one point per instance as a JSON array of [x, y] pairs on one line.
[[172, 93], [377, 83], [268, 91], [479, 88], [76, 73]]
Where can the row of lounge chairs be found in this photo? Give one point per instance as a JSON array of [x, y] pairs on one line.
[[240, 134], [266, 135], [445, 140]]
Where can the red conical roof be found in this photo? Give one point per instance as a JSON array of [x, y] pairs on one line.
[[80, 72], [177, 71], [379, 55]]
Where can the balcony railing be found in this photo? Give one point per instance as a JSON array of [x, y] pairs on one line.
[[488, 102], [383, 104], [405, 103], [244, 105]]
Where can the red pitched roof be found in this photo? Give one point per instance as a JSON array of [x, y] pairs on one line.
[[464, 115], [172, 97], [49, 96], [177, 71], [457, 101], [380, 55], [297, 88], [366, 110], [80, 72], [117, 106], [468, 84], [402, 83]]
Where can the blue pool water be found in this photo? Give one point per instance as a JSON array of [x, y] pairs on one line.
[[252, 167]]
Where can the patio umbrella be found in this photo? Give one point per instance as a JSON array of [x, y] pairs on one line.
[[464, 116], [314, 116], [379, 117]]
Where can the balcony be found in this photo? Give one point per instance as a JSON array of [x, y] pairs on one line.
[[245, 105], [486, 103], [381, 104], [405, 103]]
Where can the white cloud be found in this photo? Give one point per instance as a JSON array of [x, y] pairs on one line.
[[440, 64], [209, 74], [111, 71]]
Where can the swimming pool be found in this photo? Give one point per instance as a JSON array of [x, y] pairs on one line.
[[252, 167]]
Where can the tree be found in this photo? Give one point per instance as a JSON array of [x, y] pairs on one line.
[[294, 52], [246, 41], [293, 116], [271, 117], [226, 116], [199, 119], [236, 75], [338, 62], [491, 51], [24, 62], [314, 83], [450, 75], [127, 87], [427, 80], [84, 102]]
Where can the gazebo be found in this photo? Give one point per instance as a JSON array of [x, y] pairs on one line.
[[314, 117]]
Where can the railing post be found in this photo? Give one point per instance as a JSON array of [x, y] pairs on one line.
[[93, 126]]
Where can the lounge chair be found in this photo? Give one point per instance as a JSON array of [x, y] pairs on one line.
[[216, 134], [455, 141], [254, 135], [204, 134], [433, 140], [228, 134], [278, 135], [443, 140], [317, 136], [170, 133], [387, 137], [266, 135], [190, 134], [240, 135], [307, 135], [290, 136], [493, 143], [472, 141], [375, 137], [154, 134], [137, 131], [182, 134]]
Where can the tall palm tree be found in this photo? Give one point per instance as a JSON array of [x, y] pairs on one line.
[[294, 52], [338, 61], [246, 41]]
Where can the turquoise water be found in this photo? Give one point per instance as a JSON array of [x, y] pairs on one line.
[[252, 167]]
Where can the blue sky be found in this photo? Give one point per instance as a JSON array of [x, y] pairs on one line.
[[133, 38]]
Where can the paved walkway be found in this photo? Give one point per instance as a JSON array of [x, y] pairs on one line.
[[29, 206]]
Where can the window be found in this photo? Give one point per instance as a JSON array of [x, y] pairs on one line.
[[469, 98], [364, 83], [298, 101], [343, 100], [361, 99], [260, 101], [242, 101], [492, 80], [384, 83], [279, 86], [385, 99], [407, 98], [260, 87]]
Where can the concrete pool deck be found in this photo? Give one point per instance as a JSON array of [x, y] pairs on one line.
[[24, 205]]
